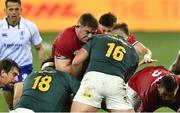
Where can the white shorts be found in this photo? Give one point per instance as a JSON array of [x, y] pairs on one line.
[[133, 97], [22, 110], [96, 86]]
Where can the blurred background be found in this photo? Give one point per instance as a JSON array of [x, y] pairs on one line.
[[155, 23], [148, 15]]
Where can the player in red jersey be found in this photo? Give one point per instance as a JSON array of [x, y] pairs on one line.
[[152, 88], [106, 23], [67, 44], [140, 48]]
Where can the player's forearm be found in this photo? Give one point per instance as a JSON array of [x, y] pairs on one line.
[[145, 51], [66, 68], [76, 70], [147, 54], [41, 52], [141, 49], [63, 64]]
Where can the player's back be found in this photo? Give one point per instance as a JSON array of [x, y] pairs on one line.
[[112, 55], [142, 80], [47, 91]]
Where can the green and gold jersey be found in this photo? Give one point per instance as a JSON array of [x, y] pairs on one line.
[[47, 90], [113, 55]]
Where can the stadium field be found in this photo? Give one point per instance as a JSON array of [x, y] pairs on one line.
[[164, 46]]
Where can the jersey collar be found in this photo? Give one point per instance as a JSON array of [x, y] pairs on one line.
[[7, 26]]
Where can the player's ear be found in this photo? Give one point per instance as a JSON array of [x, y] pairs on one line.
[[3, 73], [20, 9]]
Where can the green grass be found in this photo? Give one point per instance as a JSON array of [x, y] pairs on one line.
[[164, 47]]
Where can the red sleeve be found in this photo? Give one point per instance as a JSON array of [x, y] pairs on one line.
[[132, 39], [64, 45], [54, 46]]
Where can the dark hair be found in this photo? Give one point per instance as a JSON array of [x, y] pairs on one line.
[[50, 59], [7, 65], [89, 20], [169, 82], [123, 27], [108, 19], [16, 1]]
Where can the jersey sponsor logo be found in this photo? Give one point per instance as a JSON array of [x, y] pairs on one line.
[[88, 93], [13, 46], [4, 34]]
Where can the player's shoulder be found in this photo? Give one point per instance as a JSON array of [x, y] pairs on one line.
[[2, 21], [28, 23], [68, 32], [69, 29], [98, 38]]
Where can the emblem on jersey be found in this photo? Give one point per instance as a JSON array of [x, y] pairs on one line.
[[87, 93], [24, 76], [21, 34], [4, 35]]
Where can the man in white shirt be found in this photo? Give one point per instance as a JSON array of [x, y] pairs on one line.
[[16, 36]]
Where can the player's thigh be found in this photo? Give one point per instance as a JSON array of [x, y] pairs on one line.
[[133, 97], [90, 87], [117, 98]]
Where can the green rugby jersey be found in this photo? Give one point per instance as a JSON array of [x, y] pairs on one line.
[[113, 55], [47, 90]]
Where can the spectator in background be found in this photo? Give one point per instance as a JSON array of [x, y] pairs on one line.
[[108, 20], [152, 88], [175, 67], [67, 44], [17, 36], [112, 61], [9, 72]]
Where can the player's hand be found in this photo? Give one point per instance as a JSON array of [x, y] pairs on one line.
[[147, 58], [145, 62]]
